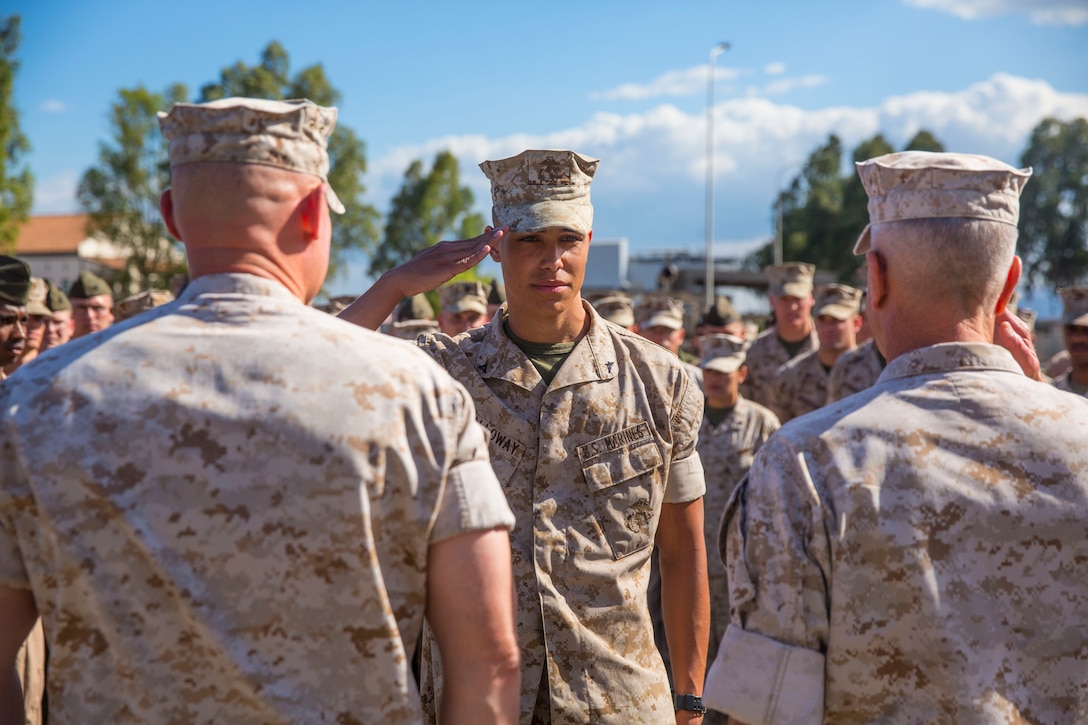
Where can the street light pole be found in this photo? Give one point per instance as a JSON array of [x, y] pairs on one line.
[[714, 53]]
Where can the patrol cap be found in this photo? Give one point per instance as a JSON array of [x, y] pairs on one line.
[[140, 302], [793, 279], [840, 301], [928, 185], [660, 312], [291, 135], [416, 307], [720, 313], [55, 299], [1074, 305], [723, 353], [617, 309], [539, 189], [35, 300], [87, 285], [14, 281], [468, 296]]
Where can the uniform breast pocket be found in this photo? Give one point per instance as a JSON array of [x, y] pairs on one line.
[[625, 472]]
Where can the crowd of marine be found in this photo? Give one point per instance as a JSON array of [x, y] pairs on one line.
[[844, 516]]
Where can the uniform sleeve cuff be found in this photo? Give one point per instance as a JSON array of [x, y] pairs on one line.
[[686, 481], [473, 501], [762, 681]]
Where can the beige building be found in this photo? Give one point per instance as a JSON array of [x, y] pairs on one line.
[[58, 248]]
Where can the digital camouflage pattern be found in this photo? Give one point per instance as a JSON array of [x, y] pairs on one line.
[[925, 541], [765, 356], [292, 135], [800, 386], [727, 451], [854, 371], [538, 189], [224, 508], [586, 463]]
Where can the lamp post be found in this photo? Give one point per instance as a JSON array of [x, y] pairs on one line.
[[714, 53], [778, 230]]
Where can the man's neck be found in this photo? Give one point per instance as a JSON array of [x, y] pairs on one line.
[[829, 357], [794, 333], [1079, 374], [548, 326]]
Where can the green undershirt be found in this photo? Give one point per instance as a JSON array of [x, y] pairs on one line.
[[717, 415], [545, 356]]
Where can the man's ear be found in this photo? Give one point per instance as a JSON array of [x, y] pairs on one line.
[[877, 292], [310, 212], [166, 208], [1011, 280]]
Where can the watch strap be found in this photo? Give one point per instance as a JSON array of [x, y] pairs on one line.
[[691, 703]]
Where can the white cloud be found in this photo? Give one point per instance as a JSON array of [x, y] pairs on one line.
[[785, 85], [650, 186], [57, 194], [774, 69], [674, 83], [54, 106], [1040, 12]]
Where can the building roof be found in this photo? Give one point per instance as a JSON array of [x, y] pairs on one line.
[[52, 234]]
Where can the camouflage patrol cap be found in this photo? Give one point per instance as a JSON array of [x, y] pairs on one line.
[[927, 185], [660, 312], [35, 300], [793, 279], [55, 299], [291, 135], [140, 302], [1074, 305], [469, 296], [540, 189], [720, 313], [87, 285], [14, 281], [617, 309], [837, 300], [416, 307], [723, 353]]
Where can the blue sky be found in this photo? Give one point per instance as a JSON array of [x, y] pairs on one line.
[[622, 81]]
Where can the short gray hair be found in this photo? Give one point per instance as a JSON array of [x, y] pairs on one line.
[[956, 260]]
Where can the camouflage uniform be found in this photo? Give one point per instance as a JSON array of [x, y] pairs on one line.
[[217, 527], [854, 371], [915, 553], [586, 463], [765, 357], [726, 451], [800, 386]]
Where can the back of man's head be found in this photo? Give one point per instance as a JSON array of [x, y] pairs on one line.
[[945, 225], [241, 170]]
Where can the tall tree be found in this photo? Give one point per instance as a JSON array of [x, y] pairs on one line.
[[121, 193], [16, 184], [357, 229], [1054, 205], [429, 207], [825, 207]]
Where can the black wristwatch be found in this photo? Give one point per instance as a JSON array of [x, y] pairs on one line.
[[691, 703]]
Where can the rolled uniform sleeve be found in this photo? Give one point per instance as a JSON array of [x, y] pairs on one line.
[[686, 481], [473, 499], [770, 665]]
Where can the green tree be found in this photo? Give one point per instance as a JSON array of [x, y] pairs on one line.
[[16, 185], [121, 193], [356, 230], [825, 207], [1054, 204], [429, 207]]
